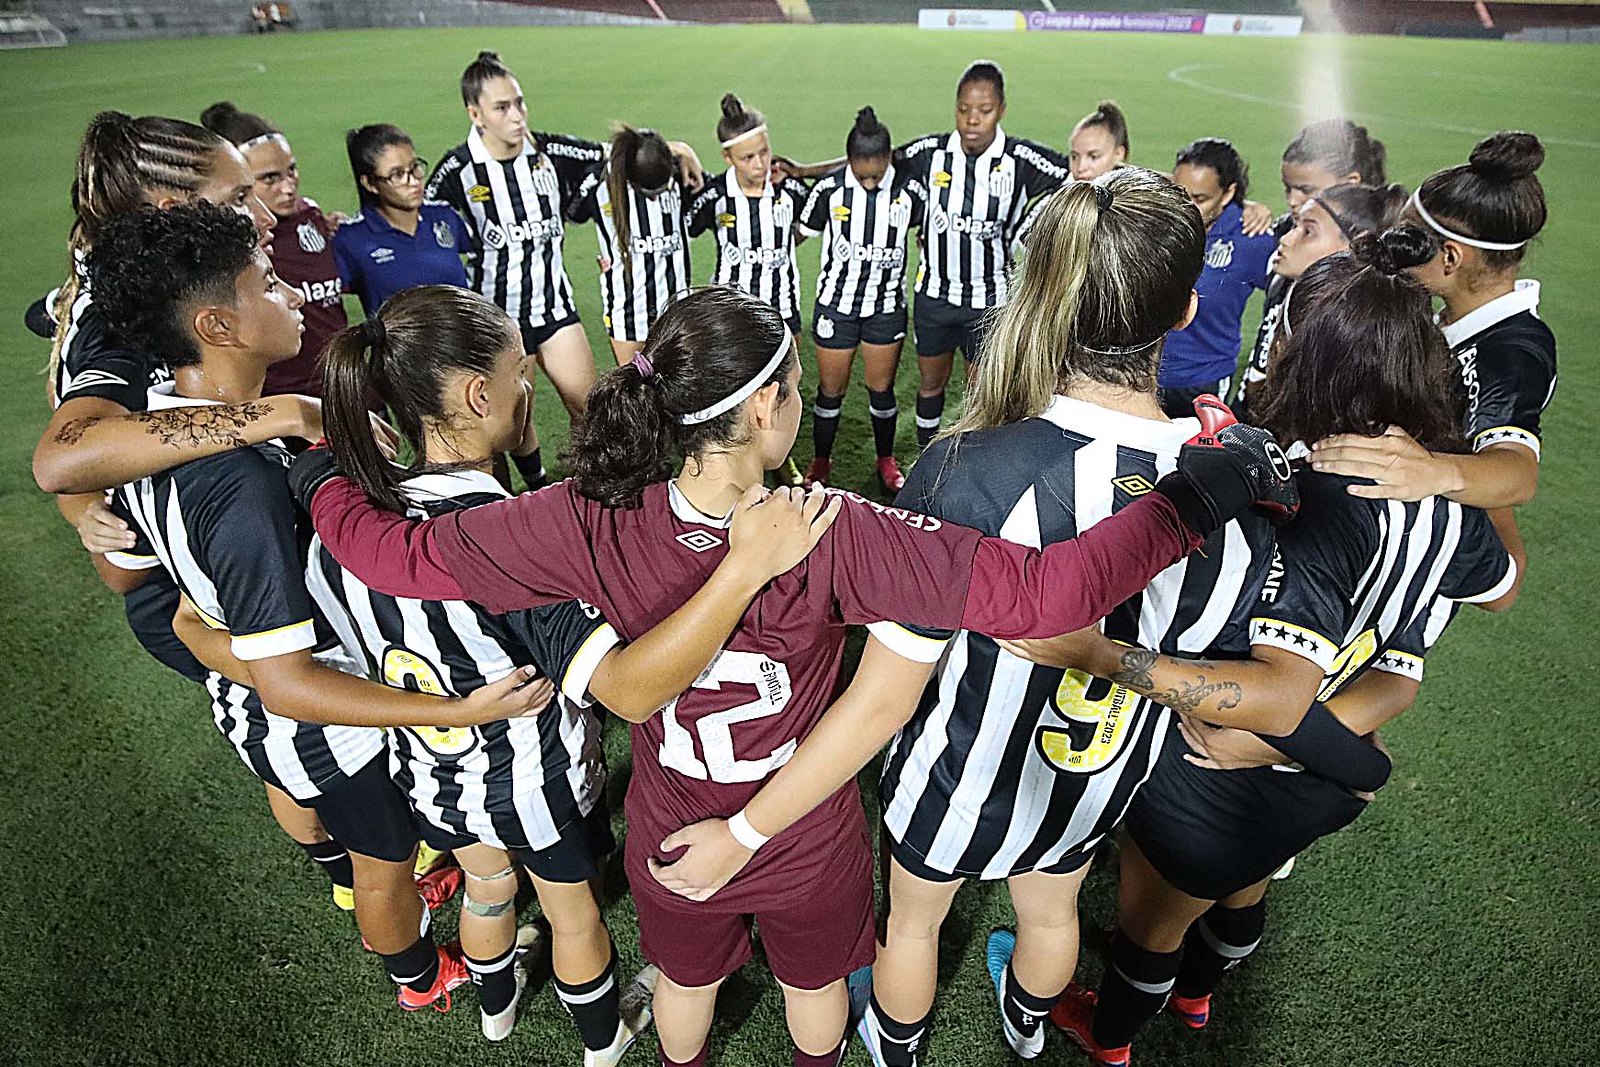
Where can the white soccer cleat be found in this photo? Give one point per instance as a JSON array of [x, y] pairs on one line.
[[1283, 872], [634, 1014], [497, 1027]]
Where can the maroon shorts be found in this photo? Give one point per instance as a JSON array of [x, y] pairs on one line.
[[811, 939]]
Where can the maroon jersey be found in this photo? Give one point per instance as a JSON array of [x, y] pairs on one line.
[[302, 254]]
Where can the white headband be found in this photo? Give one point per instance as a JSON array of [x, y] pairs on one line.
[[745, 136], [265, 138], [1493, 246], [743, 393]]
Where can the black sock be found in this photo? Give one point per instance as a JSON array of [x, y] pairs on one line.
[[593, 1005], [496, 980], [531, 467], [930, 412], [1133, 991], [1217, 942], [825, 423], [897, 1041], [1024, 1011], [417, 967], [885, 419], [333, 859]]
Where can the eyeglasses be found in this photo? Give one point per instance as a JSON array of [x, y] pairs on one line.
[[418, 170]]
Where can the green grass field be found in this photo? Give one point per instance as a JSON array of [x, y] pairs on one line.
[[153, 914]]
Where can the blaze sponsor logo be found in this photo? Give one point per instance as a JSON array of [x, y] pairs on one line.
[[877, 255], [664, 243], [317, 292], [496, 235], [755, 257], [978, 229]]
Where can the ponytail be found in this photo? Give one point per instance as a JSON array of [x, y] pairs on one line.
[[868, 138], [641, 158], [1109, 116], [239, 127], [709, 347], [482, 70], [1340, 147], [406, 354], [737, 119]]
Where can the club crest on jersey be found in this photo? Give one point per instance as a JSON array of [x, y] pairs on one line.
[[544, 181], [1219, 255], [698, 540], [900, 212], [726, 220], [311, 238], [480, 194], [442, 235], [783, 215], [1001, 178], [840, 214], [941, 179]]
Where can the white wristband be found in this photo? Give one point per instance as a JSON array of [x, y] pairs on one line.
[[747, 835]]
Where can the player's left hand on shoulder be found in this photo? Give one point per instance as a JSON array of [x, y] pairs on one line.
[[1257, 219], [336, 218], [711, 858], [1400, 467]]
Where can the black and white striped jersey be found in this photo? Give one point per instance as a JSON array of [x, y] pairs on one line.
[[975, 204], [1274, 303], [1355, 581], [515, 210], [755, 238], [224, 528], [635, 289], [1507, 359], [1007, 766], [864, 239], [510, 784], [94, 363]]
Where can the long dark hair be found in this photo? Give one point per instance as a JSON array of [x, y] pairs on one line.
[[868, 138], [482, 70], [704, 348], [1340, 147], [237, 126], [148, 266], [404, 354], [1108, 115], [1494, 196], [1358, 209], [1364, 352], [641, 158], [736, 118], [364, 147], [1222, 157]]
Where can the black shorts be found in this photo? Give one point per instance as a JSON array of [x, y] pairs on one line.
[[1178, 403], [576, 857], [368, 814], [943, 327], [1213, 833], [830, 329], [915, 864], [534, 337]]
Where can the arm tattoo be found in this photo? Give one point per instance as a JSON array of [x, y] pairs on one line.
[[199, 427], [1134, 671], [72, 432], [1186, 697]]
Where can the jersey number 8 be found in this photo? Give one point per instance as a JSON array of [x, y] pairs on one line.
[[771, 681], [404, 669]]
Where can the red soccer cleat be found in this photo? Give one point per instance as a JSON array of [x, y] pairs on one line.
[[820, 471], [452, 975], [1074, 1017], [439, 885], [1194, 1012], [889, 474]]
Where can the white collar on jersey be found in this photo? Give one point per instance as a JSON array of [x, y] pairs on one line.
[[480, 151], [1118, 427], [165, 395], [996, 147], [447, 485], [850, 181], [734, 189], [687, 512], [1525, 297]]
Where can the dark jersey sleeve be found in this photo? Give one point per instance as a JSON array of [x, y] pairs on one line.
[[140, 556], [1481, 569], [914, 158], [39, 318], [702, 210], [917, 190], [1304, 606], [574, 159], [1040, 169], [241, 522], [813, 216], [96, 364], [443, 184], [585, 203], [1516, 376], [567, 641]]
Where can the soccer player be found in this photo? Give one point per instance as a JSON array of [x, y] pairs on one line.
[[644, 250], [1327, 153], [1201, 358], [717, 383], [1350, 577], [1099, 142], [864, 212], [399, 239], [302, 241], [1001, 770], [448, 364], [191, 284], [1484, 213], [1323, 224], [753, 214]]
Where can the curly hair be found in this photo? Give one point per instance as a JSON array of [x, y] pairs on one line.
[[148, 267]]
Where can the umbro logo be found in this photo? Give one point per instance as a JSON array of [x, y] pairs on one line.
[[699, 540], [1133, 484]]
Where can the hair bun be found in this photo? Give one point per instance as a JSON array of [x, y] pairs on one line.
[[1507, 156], [218, 114], [866, 119], [1394, 250], [733, 108], [488, 56]]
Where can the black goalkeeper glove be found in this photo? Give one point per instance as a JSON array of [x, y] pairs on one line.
[[1227, 467], [309, 471]]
